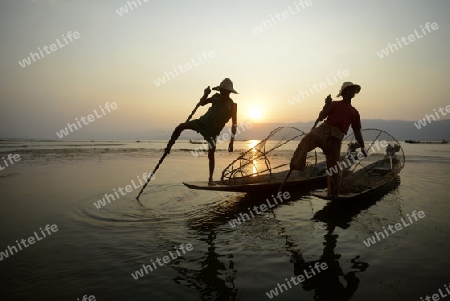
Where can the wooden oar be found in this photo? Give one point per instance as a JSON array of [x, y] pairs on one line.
[[327, 103], [169, 146]]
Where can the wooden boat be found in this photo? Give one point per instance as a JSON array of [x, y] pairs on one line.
[[368, 177], [257, 169], [379, 174], [264, 166], [426, 142], [310, 178]]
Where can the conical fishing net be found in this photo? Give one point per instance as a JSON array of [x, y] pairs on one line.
[[384, 161], [268, 160]]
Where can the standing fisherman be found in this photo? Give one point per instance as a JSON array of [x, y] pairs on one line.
[[328, 136], [213, 121]]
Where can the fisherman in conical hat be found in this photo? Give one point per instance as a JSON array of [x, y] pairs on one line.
[[328, 136], [213, 121]]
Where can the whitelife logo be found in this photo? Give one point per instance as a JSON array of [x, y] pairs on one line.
[[86, 120], [86, 298], [10, 158], [124, 9], [423, 123], [110, 197], [280, 288], [221, 138], [48, 50], [437, 297], [350, 161], [302, 94], [243, 217], [31, 240], [169, 75], [391, 48], [161, 261], [398, 226], [266, 24]]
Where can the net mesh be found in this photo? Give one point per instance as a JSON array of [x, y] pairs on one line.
[[384, 161], [268, 160]]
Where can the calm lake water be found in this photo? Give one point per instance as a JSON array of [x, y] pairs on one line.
[[96, 251]]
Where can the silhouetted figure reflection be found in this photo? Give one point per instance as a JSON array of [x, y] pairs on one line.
[[327, 284], [213, 274], [333, 283], [207, 279]]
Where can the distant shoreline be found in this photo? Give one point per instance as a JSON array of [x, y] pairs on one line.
[[402, 130]]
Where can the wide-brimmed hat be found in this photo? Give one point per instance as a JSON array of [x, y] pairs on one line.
[[349, 84], [226, 84]]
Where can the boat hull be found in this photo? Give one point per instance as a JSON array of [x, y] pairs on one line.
[[290, 185]]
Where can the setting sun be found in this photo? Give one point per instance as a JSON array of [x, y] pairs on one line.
[[255, 113]]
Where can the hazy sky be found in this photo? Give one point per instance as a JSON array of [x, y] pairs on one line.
[[119, 59]]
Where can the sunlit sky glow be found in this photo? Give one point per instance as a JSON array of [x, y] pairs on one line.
[[119, 58]]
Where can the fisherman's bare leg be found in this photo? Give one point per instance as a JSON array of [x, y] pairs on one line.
[[332, 153], [176, 133], [211, 151]]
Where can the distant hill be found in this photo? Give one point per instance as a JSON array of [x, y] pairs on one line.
[[401, 130]]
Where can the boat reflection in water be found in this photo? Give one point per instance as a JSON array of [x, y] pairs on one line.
[[214, 273]]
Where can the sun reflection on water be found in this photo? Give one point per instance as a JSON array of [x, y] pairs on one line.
[[251, 145]]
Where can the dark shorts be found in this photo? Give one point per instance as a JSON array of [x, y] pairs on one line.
[[200, 128]]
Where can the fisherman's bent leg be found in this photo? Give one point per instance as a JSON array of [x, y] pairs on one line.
[[308, 143], [176, 133]]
